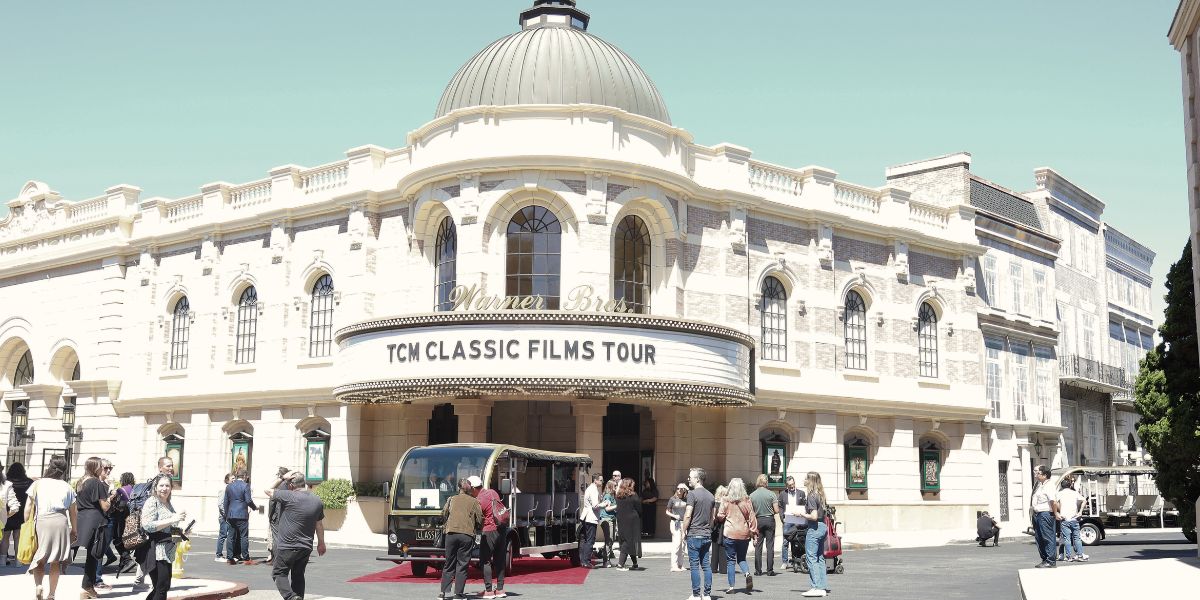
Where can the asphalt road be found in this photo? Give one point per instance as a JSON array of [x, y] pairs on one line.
[[945, 572]]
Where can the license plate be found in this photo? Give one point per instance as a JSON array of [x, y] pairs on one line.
[[426, 534]]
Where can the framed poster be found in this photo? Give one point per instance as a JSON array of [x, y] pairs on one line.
[[174, 451], [857, 465], [931, 470], [775, 463], [239, 454], [316, 459], [647, 467]]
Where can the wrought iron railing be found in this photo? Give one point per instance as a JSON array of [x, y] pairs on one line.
[[1091, 370]]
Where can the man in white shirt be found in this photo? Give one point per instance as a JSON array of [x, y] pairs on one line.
[[1070, 505], [589, 517], [1045, 518]]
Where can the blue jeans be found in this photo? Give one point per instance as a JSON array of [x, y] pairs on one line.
[[735, 552], [1045, 530], [1070, 533], [222, 537], [814, 550], [698, 548]]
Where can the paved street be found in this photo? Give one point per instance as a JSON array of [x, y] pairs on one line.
[[954, 571]]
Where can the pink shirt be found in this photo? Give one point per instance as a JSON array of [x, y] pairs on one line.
[[486, 498]]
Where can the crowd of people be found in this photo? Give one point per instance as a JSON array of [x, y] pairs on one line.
[[118, 519]]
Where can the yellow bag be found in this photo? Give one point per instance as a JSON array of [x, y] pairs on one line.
[[29, 543], [28, 540]]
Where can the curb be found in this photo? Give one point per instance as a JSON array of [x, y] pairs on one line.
[[239, 589]]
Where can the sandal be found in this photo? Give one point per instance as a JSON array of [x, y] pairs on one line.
[[37, 592]]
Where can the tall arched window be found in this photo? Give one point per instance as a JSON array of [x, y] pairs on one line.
[[631, 264], [180, 326], [533, 255], [320, 324], [856, 331], [445, 256], [927, 343], [247, 326], [24, 373], [75, 372], [774, 320]]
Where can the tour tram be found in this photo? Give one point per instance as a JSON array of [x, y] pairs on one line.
[[1118, 497], [540, 488]]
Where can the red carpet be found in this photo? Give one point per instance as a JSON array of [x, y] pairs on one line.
[[528, 571]]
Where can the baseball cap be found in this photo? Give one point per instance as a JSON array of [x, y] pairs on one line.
[[475, 481]]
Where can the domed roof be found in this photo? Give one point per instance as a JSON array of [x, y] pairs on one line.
[[553, 60]]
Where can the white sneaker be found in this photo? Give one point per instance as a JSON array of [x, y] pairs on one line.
[[693, 598], [1083, 557], [814, 593], [220, 559]]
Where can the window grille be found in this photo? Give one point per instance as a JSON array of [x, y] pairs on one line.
[[320, 325]]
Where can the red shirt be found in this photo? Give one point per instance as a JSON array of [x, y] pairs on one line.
[[485, 498]]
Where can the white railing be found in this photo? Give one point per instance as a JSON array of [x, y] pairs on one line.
[[856, 197], [770, 178], [250, 194], [86, 210], [325, 178], [182, 210], [925, 214]]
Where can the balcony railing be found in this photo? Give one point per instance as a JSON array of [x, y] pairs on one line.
[[1091, 373]]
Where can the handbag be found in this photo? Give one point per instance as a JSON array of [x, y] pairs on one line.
[[99, 543], [28, 537]]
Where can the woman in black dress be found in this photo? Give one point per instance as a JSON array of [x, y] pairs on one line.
[[649, 503], [629, 523], [12, 529], [93, 498]]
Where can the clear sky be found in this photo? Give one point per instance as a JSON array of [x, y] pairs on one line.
[[170, 96]]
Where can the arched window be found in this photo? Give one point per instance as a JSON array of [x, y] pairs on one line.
[[856, 331], [320, 324], [533, 255], [927, 343], [631, 264], [445, 256], [247, 326], [75, 372], [180, 325], [24, 373], [774, 320]]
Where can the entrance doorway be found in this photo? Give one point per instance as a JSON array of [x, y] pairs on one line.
[[443, 425], [629, 442]]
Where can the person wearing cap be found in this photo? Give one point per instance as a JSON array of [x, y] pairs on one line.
[[676, 507], [493, 545], [464, 520]]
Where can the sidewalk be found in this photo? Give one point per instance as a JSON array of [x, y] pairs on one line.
[[17, 584], [1155, 578]]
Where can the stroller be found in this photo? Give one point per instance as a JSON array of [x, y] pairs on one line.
[[833, 546]]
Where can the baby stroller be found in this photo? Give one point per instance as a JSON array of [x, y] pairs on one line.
[[833, 546]]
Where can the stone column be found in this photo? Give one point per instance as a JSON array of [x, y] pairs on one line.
[[472, 420], [589, 429]]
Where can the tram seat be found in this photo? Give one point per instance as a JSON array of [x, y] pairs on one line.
[[1119, 507], [1148, 507], [1170, 510], [527, 504], [560, 506]]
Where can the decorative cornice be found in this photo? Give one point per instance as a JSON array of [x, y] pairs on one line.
[[405, 390]]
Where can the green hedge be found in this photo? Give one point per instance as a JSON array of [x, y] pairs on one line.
[[334, 492]]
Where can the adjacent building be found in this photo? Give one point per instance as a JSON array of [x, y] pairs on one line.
[[1184, 36]]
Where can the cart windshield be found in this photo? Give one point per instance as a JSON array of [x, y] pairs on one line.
[[430, 475]]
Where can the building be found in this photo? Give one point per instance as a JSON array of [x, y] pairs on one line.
[[551, 266], [1131, 331], [1184, 37]]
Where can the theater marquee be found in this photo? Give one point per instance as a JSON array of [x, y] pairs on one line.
[[522, 354]]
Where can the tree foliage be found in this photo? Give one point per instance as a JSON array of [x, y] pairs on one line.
[[1167, 395]]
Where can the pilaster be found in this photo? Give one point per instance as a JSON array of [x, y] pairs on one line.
[[472, 420], [589, 429]]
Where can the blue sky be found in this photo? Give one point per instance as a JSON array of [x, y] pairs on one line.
[[170, 96]]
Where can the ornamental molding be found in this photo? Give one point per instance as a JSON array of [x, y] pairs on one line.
[[517, 317], [407, 390]]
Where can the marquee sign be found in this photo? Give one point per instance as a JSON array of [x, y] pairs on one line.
[[521, 354]]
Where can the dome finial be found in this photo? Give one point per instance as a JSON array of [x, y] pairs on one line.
[[554, 13]]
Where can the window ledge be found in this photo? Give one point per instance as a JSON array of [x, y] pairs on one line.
[[933, 382], [315, 363], [181, 374], [855, 375], [778, 366], [238, 370]]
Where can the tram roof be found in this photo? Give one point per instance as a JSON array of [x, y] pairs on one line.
[[522, 451]]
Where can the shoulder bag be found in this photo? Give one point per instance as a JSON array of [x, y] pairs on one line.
[[29, 542], [134, 535]]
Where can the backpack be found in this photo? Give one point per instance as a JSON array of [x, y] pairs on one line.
[[139, 494]]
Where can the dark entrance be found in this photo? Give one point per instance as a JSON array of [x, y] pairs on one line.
[[443, 425], [622, 442]]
